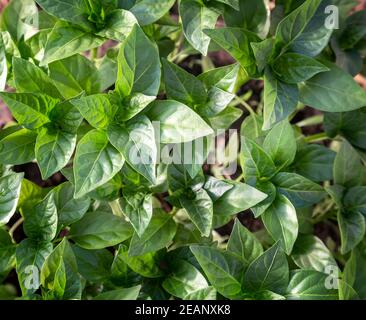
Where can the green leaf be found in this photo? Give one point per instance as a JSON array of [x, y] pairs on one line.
[[309, 285], [97, 109], [305, 30], [75, 75], [132, 106], [118, 25], [30, 78], [69, 210], [225, 118], [218, 100], [159, 234], [232, 3], [96, 162], [184, 280], [352, 228], [208, 293], [149, 11], [270, 190], [251, 15], [255, 162], [136, 141], [66, 40], [263, 51], [196, 17], [280, 99], [329, 91], [18, 147], [311, 253], [53, 150], [280, 144], [13, 17], [244, 244], [348, 170], [30, 256], [236, 42], [223, 270], [183, 86], [295, 68], [178, 123], [7, 252], [3, 65], [223, 78], [299, 190], [10, 186], [268, 272], [68, 10], [66, 116], [93, 265], [350, 125], [30, 109], [99, 229], [59, 274], [120, 294], [239, 198], [147, 265], [40, 221], [200, 210], [314, 162], [281, 222], [138, 65], [137, 207], [354, 271], [355, 199]]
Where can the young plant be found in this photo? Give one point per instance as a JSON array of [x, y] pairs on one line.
[[117, 175]]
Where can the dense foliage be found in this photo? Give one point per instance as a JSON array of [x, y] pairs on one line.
[[94, 85]]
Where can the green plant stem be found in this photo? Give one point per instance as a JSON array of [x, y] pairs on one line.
[[316, 137], [250, 110], [314, 120], [15, 226]]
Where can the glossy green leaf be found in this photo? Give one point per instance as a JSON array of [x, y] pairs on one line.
[[268, 272], [97, 109], [53, 150], [311, 253], [280, 99], [137, 207], [66, 40], [299, 190], [69, 210], [30, 256], [223, 270], [158, 234], [328, 91], [98, 230], [310, 285], [281, 222], [256, 163], [40, 221], [244, 244], [138, 65], [185, 279], [200, 210], [280, 144], [236, 42], [183, 86], [136, 141], [178, 123], [96, 162], [10, 186], [352, 227], [18, 147], [120, 294], [196, 17]]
